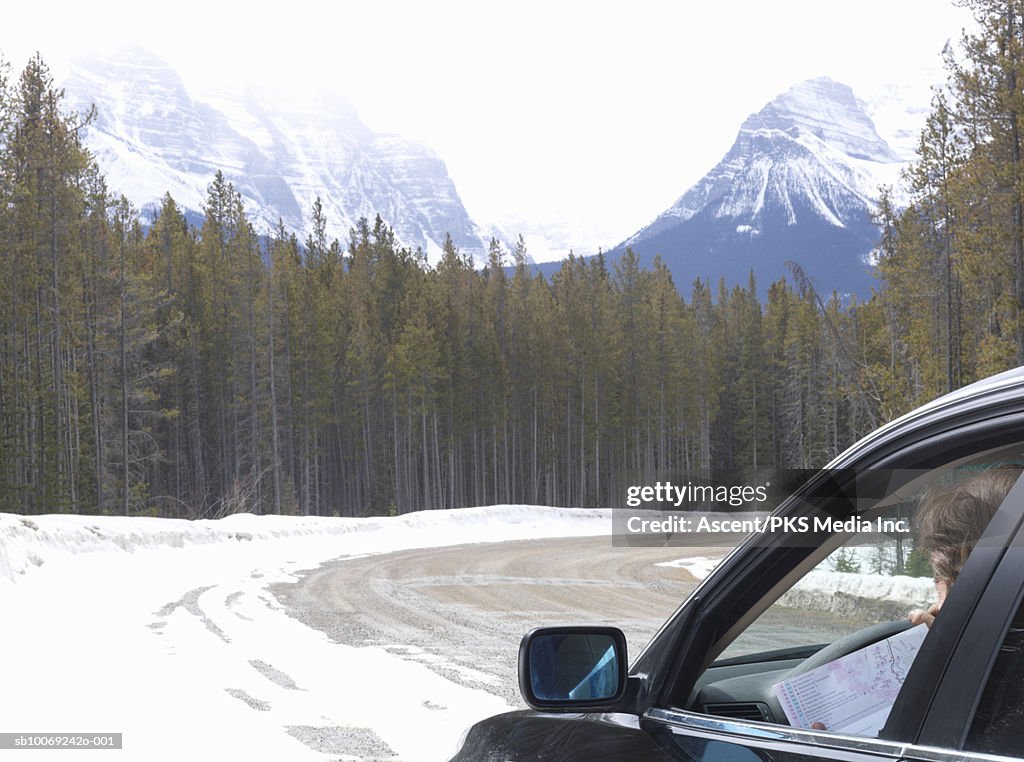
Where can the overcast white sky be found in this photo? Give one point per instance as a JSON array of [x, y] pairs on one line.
[[598, 115]]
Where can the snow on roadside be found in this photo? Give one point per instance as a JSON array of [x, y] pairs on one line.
[[699, 567], [165, 630], [829, 588], [30, 541], [822, 589]]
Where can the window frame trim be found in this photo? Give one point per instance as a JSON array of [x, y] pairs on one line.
[[960, 690], [769, 736], [930, 707]]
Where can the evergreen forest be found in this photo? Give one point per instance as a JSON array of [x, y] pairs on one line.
[[199, 371]]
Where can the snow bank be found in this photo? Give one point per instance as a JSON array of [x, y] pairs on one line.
[[699, 566], [839, 592], [27, 542], [827, 588]]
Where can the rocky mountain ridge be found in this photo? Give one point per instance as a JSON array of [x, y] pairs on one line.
[[152, 136], [799, 183]]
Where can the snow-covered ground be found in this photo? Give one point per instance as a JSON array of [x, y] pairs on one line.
[[165, 631], [698, 566]]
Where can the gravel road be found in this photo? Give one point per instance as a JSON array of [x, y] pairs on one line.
[[463, 610]]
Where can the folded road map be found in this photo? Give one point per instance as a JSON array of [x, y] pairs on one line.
[[854, 693]]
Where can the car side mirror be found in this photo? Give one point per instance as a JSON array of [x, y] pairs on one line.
[[572, 668]]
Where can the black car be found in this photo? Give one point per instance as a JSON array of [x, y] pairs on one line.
[[702, 689]]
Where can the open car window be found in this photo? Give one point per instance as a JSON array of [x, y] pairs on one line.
[[871, 578], [853, 591]]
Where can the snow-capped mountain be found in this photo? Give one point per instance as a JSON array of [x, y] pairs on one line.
[[799, 183], [152, 136]]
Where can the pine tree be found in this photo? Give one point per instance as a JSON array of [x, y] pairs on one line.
[[44, 166]]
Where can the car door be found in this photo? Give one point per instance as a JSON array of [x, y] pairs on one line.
[[964, 697], [700, 738], [936, 710]]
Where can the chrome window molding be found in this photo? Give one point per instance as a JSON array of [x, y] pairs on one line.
[[757, 733]]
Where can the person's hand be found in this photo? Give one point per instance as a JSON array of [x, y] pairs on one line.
[[818, 726], [917, 616]]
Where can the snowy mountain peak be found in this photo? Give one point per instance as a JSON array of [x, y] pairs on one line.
[[812, 150], [799, 183], [281, 150], [830, 112]]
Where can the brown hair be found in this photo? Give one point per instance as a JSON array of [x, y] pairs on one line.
[[952, 519]]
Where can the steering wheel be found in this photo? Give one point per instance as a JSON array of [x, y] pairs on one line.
[[834, 650], [850, 643]]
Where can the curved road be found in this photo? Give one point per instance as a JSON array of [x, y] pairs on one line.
[[462, 610]]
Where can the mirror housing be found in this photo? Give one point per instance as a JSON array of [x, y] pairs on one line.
[[573, 669]]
